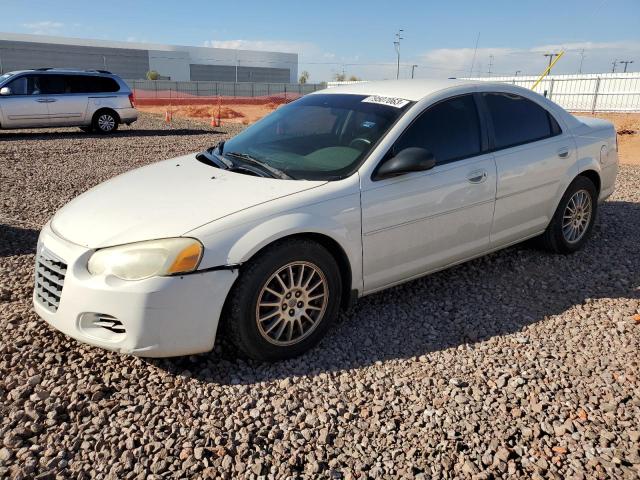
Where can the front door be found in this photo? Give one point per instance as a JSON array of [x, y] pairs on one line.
[[423, 221], [26, 105]]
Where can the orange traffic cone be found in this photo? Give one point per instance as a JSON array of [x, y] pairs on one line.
[[167, 116]]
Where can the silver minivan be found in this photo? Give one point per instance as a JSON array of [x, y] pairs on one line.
[[94, 100]]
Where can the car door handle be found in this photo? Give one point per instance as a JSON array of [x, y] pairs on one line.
[[563, 152], [51, 100], [477, 176], [42, 100]]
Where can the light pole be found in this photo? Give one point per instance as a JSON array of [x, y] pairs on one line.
[[613, 65], [397, 45], [518, 72], [413, 68]]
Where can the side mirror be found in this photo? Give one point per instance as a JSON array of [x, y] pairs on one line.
[[412, 159], [5, 91]]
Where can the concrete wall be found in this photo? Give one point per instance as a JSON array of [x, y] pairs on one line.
[[130, 63], [226, 73], [132, 60]]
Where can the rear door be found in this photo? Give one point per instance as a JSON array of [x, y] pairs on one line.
[[26, 106], [67, 99], [532, 156], [422, 221]]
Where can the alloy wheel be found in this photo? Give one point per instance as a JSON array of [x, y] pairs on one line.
[[292, 303], [577, 216]]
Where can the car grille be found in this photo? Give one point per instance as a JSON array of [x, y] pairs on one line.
[[50, 273]]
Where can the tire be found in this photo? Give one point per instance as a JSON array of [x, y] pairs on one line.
[[105, 121], [284, 332], [581, 196]]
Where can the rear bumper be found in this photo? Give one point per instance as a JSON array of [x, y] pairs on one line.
[[161, 316], [127, 115]]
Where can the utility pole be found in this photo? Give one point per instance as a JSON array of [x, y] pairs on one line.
[[475, 50], [490, 64], [551, 56], [413, 68], [518, 72], [626, 62], [613, 65], [581, 60], [397, 45]]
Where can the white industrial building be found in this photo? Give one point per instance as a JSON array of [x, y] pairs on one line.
[[132, 60]]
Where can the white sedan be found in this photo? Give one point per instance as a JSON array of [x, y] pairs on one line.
[[340, 194]]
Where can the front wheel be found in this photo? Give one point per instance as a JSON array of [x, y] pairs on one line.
[[573, 220], [284, 300]]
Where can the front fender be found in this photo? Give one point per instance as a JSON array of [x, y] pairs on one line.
[[337, 219]]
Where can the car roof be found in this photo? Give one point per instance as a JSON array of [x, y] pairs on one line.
[[413, 90]]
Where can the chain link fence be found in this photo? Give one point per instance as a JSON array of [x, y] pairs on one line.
[[165, 92]]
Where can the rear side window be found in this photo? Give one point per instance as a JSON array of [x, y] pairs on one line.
[[517, 120], [91, 84], [450, 130], [52, 84]]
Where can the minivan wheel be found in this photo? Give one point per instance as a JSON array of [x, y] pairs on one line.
[[573, 220], [284, 300], [105, 122]]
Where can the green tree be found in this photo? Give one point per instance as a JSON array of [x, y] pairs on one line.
[[304, 76], [340, 77], [153, 75], [353, 78]]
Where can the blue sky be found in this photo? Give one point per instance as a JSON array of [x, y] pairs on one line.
[[438, 36]]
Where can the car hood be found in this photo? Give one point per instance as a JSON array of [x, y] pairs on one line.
[[165, 199]]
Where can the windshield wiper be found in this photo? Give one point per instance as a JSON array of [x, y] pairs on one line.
[[272, 171], [217, 160]]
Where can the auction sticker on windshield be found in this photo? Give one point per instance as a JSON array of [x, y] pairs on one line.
[[391, 101]]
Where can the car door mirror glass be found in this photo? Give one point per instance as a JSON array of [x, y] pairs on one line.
[[412, 159], [5, 91]]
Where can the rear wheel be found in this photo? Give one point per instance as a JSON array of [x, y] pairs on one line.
[[105, 121], [284, 300], [573, 220]]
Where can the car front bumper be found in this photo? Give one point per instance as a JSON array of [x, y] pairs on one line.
[[155, 317]]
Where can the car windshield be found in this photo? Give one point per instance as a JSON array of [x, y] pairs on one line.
[[318, 137]]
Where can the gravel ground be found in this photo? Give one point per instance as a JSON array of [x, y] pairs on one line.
[[520, 364]]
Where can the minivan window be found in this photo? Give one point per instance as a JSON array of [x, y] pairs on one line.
[[90, 84], [518, 120], [52, 84], [26, 85], [450, 130]]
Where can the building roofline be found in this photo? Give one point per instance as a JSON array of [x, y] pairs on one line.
[[88, 42]]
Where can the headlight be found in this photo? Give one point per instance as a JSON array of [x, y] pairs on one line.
[[136, 261]]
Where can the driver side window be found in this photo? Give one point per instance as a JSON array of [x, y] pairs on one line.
[[450, 130], [25, 85]]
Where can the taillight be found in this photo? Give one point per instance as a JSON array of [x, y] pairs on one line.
[[132, 100]]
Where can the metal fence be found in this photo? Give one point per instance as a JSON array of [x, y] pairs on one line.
[[156, 92], [601, 92]]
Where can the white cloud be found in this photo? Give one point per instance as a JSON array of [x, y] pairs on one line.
[[595, 57], [46, 27], [263, 45]]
